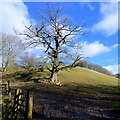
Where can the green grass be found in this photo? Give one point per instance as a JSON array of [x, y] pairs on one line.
[[75, 78], [79, 81], [84, 76], [76, 75]]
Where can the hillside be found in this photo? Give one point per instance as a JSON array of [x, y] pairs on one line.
[[81, 90], [85, 76], [77, 75]]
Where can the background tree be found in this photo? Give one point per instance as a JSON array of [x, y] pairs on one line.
[[27, 61], [95, 67], [11, 48], [54, 33]]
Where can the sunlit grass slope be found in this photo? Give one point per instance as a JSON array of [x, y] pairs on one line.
[[85, 76]]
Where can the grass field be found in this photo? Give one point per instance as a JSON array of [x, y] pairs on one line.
[[76, 75], [85, 76], [85, 85], [74, 81]]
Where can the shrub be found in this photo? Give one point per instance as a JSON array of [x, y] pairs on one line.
[[23, 75]]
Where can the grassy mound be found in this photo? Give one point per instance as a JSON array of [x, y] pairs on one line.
[[85, 76]]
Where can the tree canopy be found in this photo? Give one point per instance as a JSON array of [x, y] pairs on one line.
[[56, 34]]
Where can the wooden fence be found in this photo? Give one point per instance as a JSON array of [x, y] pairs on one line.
[[17, 103]]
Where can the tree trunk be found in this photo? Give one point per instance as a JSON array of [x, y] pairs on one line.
[[54, 76], [4, 69], [55, 63]]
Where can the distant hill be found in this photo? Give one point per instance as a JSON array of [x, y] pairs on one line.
[[92, 66], [82, 75], [117, 75]]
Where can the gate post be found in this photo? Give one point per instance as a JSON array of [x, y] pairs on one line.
[[29, 104]]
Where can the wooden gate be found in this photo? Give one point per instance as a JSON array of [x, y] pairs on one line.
[[17, 104]]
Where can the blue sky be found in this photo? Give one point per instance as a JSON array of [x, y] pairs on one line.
[[100, 45]]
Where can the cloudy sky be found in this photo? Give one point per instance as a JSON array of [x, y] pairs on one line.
[[101, 19]]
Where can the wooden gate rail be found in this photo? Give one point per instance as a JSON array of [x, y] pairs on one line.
[[18, 105]]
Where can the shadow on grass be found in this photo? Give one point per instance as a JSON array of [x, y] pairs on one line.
[[72, 89], [84, 95], [84, 88]]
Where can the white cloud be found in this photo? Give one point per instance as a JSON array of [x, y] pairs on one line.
[[87, 4], [36, 50], [115, 45], [113, 68], [94, 49], [14, 15], [91, 7], [109, 60], [108, 24]]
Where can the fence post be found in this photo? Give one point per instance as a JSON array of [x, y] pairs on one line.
[[19, 91], [9, 89], [29, 104]]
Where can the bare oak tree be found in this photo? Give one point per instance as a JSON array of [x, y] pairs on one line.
[[56, 34]]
